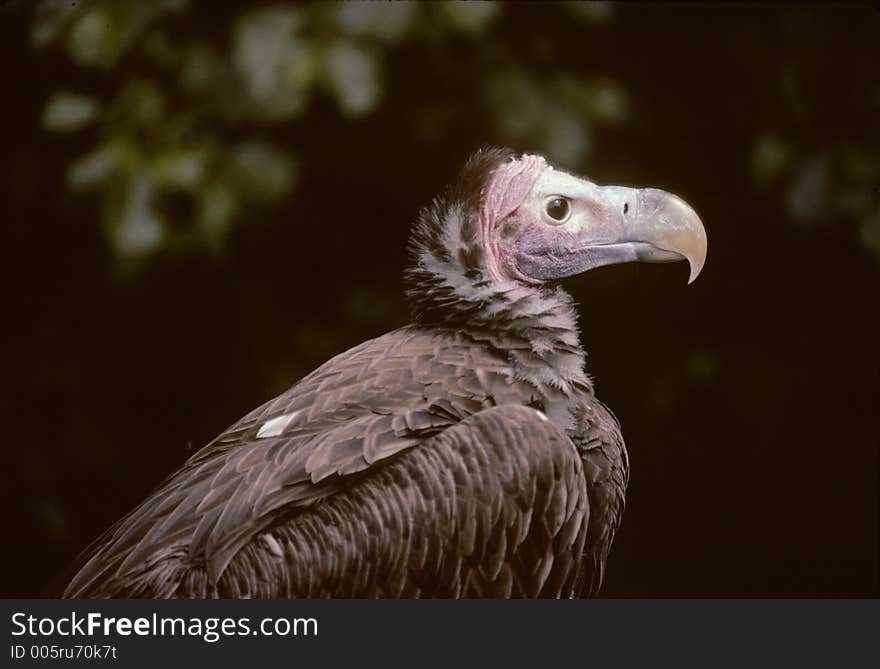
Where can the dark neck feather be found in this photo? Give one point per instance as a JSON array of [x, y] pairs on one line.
[[448, 286]]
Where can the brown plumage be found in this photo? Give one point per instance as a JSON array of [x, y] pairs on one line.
[[462, 455]]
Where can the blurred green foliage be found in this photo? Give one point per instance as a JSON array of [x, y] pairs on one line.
[[157, 132]]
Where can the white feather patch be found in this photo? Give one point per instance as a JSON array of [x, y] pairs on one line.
[[273, 545], [274, 427]]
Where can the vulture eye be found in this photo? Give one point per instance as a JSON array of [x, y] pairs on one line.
[[558, 208]]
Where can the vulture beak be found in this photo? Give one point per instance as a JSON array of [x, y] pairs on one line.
[[651, 226]]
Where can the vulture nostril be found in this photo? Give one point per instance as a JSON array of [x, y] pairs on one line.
[[625, 208]]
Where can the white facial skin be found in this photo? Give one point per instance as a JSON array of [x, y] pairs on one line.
[[568, 225]]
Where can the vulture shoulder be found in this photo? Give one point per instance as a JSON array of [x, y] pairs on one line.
[[463, 455], [606, 470], [239, 518]]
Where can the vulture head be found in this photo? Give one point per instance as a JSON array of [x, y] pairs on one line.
[[514, 221]]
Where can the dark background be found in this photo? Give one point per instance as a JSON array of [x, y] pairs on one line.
[[748, 399]]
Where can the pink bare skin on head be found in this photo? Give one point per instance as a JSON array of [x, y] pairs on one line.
[[509, 187], [538, 224]]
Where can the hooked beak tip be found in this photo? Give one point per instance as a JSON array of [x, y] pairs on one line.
[[678, 228], [696, 266]]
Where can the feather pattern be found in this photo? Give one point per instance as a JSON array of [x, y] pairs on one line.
[[462, 455]]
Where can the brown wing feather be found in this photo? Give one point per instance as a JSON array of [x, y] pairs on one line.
[[359, 408], [353, 415], [606, 469], [470, 513]]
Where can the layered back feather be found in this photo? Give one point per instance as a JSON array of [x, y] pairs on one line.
[[462, 455]]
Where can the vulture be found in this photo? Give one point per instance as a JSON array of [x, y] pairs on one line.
[[462, 455]]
